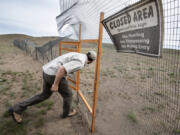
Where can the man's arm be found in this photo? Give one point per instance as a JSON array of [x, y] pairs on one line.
[[60, 73], [67, 68]]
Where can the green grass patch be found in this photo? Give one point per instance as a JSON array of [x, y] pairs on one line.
[[161, 106], [171, 75], [132, 117], [138, 64], [38, 123], [5, 114], [136, 68], [47, 104], [28, 85], [155, 133], [150, 74], [9, 72], [9, 76], [9, 127], [41, 112], [143, 77], [148, 109], [25, 93], [12, 95], [176, 131], [36, 87], [4, 88], [37, 133], [150, 69], [129, 76], [119, 68], [3, 80], [7, 104], [109, 73], [6, 48]]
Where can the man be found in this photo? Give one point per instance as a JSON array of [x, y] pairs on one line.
[[54, 80]]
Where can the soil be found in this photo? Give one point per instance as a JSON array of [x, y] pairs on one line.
[[136, 93]]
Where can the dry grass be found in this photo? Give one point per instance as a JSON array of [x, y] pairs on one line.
[[28, 86]]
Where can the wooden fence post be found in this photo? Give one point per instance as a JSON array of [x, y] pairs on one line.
[[97, 70]]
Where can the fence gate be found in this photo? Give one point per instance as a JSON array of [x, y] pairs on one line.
[[77, 47]]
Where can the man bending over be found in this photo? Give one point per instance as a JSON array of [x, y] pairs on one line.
[[54, 80]]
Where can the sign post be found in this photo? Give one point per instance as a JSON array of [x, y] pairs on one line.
[[137, 28]]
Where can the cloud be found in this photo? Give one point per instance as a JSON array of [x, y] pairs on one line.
[[36, 18]]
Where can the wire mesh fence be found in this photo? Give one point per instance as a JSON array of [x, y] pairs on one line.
[[153, 84], [42, 53], [150, 87]]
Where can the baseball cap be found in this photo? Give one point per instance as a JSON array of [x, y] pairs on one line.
[[92, 55]]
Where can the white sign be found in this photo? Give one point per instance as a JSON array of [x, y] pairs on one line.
[[137, 28], [142, 17]]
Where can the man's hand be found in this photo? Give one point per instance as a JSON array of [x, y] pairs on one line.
[[54, 88], [60, 73]]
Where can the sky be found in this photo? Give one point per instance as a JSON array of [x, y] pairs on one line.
[[30, 17]]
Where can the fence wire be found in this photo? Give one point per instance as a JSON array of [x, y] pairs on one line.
[[160, 78], [42, 53], [151, 84]]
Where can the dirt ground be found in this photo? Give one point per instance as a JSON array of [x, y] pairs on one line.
[[20, 78], [138, 95]]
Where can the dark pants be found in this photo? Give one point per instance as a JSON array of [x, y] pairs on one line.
[[46, 93]]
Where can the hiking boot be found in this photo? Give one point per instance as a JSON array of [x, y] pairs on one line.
[[16, 117], [72, 113]]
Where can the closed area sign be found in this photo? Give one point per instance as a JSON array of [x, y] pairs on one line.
[[137, 28]]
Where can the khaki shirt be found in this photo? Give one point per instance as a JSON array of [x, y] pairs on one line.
[[71, 62]]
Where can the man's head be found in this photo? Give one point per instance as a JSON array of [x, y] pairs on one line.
[[91, 55]]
